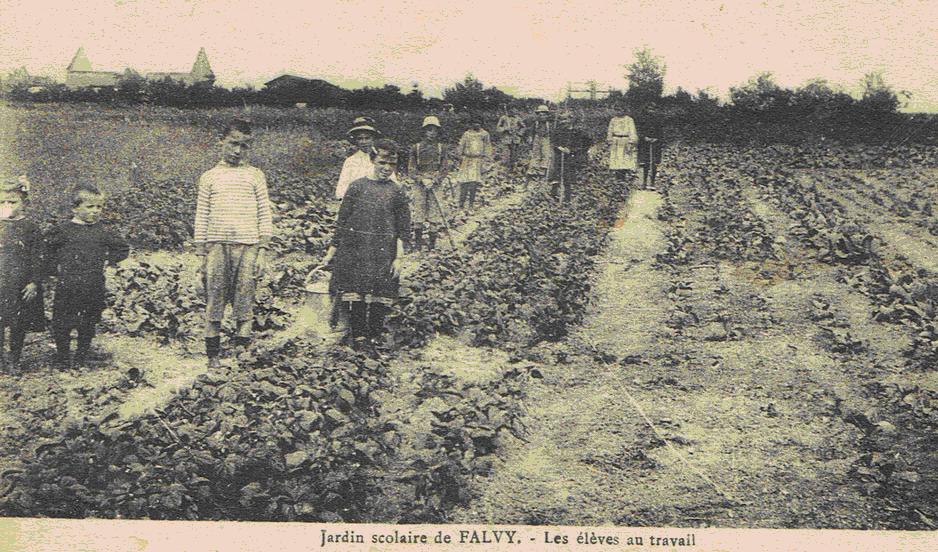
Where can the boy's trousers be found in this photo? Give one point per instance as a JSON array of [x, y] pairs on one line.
[[230, 278]]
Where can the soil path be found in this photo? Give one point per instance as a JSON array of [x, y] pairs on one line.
[[41, 402], [579, 431], [746, 396]]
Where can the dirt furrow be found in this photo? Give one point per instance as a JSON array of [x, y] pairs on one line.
[[908, 240], [741, 381], [584, 447]]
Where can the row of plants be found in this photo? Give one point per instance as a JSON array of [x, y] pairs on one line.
[[904, 294], [729, 229], [297, 432], [826, 155], [906, 195], [520, 282], [892, 458], [290, 437], [166, 302], [897, 461], [531, 289]]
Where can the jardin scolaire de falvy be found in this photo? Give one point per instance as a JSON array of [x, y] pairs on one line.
[[745, 339]]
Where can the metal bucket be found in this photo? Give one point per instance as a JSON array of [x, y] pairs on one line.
[[316, 315]]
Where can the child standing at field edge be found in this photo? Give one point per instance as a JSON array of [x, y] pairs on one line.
[[78, 251], [20, 270], [233, 226], [475, 152]]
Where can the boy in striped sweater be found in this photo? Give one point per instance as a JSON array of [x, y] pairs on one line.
[[232, 232]]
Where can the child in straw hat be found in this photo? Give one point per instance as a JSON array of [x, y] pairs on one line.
[[427, 167], [358, 165]]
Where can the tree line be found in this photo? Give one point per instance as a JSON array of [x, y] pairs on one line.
[[132, 88], [759, 110]]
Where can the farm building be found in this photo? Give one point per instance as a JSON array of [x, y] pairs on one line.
[[201, 72], [81, 75]]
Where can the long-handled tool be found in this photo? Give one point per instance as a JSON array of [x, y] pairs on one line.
[[563, 185], [550, 164], [450, 189], [446, 225], [650, 161]]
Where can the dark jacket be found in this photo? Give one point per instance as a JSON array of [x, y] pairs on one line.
[[21, 264], [77, 255], [650, 128], [373, 216], [578, 142]]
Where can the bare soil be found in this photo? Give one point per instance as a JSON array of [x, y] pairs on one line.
[[734, 417]]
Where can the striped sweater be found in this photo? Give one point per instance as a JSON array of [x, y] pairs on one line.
[[232, 206]]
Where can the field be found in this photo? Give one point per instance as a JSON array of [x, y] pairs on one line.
[[751, 344]]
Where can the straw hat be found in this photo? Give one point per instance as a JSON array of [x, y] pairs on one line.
[[362, 123], [542, 109], [430, 121]]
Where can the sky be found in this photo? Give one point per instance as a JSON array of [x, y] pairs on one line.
[[531, 48]]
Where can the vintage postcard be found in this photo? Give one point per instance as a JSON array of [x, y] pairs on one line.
[[414, 275]]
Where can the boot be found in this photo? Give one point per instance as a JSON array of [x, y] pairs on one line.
[[241, 345], [62, 362], [13, 363], [377, 314], [63, 343], [358, 321], [212, 350], [17, 338], [83, 348]]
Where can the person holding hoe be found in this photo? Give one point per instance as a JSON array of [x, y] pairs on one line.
[[427, 167], [510, 129], [571, 147], [540, 134], [649, 153], [366, 251], [623, 138]]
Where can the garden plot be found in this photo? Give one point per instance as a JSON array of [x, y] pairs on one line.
[[784, 363], [770, 370]]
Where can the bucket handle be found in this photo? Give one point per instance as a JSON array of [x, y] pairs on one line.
[[318, 269]]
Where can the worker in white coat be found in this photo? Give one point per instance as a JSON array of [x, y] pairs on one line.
[[623, 139]]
